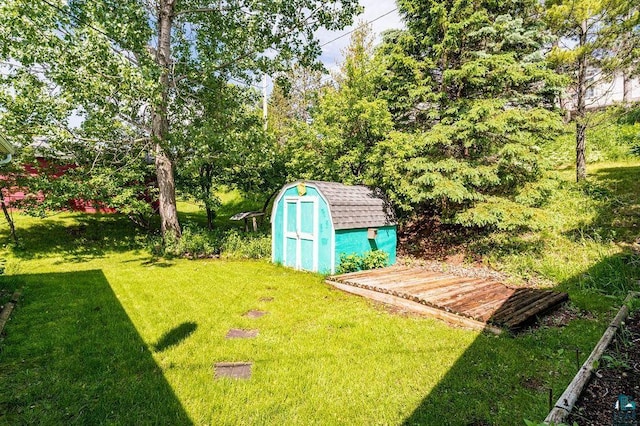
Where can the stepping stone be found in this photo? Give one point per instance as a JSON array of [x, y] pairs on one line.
[[237, 333], [255, 314], [266, 299], [232, 370]]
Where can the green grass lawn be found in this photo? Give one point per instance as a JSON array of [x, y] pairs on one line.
[[106, 333], [584, 246]]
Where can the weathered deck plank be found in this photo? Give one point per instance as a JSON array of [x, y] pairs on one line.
[[443, 295], [416, 307]]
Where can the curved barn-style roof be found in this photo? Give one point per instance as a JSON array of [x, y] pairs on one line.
[[352, 206]]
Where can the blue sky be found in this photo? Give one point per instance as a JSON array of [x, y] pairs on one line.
[[332, 53]]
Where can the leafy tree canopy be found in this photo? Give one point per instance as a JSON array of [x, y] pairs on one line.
[[139, 73], [346, 123]]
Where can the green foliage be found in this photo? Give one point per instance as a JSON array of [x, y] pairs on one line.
[[611, 136], [246, 246], [615, 277], [227, 147], [352, 262], [614, 361], [193, 243], [586, 29], [375, 259], [629, 120], [476, 103], [200, 243], [54, 184], [349, 263], [586, 243], [134, 77], [105, 308], [348, 121]]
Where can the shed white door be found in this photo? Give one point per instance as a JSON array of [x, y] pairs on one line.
[[300, 233]]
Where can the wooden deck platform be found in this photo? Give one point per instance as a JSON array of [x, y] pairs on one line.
[[470, 302]]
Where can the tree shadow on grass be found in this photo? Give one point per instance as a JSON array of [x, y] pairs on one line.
[[223, 213], [609, 279], [72, 355], [504, 380], [616, 190], [80, 238], [175, 336]]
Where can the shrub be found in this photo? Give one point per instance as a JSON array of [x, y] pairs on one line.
[[200, 243], [349, 263], [246, 246], [193, 243], [375, 259], [354, 262]]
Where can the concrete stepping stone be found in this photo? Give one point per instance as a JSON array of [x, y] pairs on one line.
[[238, 333], [232, 370], [255, 314]]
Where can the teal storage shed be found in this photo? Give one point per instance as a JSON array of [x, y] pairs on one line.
[[313, 223]]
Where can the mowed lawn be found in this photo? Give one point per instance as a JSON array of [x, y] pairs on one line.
[[107, 334]]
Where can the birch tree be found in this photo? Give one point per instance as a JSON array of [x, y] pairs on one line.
[[135, 69]]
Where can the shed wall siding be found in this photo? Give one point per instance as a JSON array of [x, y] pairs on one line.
[[324, 229], [355, 241], [277, 232]]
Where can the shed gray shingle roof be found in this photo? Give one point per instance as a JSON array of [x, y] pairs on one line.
[[354, 206]]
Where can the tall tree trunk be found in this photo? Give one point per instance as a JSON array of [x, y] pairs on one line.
[[7, 216], [211, 215], [581, 139], [580, 116], [205, 174], [160, 126]]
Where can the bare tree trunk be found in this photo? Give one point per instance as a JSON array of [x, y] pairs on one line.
[[7, 216], [211, 215], [581, 126], [160, 126], [581, 139]]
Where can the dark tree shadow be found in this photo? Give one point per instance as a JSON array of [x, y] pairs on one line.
[[223, 213], [87, 236], [72, 355], [504, 380], [175, 336], [616, 192]]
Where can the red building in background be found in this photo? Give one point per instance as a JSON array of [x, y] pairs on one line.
[[16, 193]]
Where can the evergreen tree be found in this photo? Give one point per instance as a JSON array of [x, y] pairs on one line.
[[475, 101]]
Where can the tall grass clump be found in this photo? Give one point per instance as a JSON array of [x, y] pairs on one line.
[[201, 243], [615, 275], [246, 246], [197, 243], [613, 135]]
